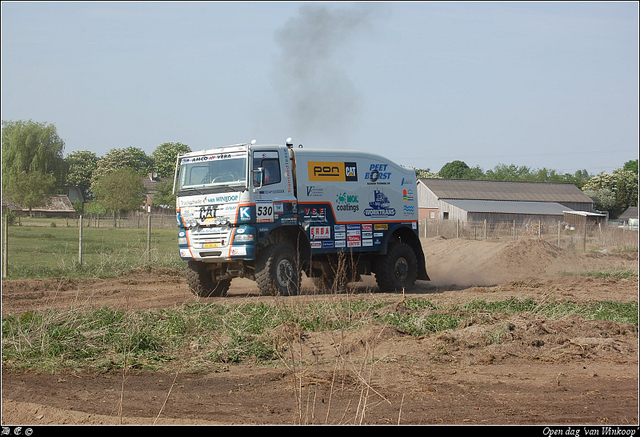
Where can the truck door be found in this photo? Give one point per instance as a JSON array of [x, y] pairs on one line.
[[273, 193]]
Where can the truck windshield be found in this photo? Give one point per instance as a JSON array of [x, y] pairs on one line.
[[224, 171]]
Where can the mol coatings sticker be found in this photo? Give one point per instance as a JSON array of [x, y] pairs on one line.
[[347, 202]]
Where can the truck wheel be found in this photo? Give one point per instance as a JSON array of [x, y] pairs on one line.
[[398, 269], [277, 271], [200, 282]]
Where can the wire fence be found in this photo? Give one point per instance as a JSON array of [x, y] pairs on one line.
[[133, 220], [599, 237]]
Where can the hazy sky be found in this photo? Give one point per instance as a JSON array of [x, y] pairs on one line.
[[539, 84]]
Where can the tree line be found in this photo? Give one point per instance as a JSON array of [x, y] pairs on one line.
[[34, 165]]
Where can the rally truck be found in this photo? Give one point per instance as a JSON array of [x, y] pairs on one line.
[[273, 212]]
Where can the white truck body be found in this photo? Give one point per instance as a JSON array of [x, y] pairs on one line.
[[236, 203]]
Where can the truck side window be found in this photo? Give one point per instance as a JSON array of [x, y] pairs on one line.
[[271, 173]]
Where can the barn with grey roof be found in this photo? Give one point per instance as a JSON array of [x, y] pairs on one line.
[[498, 201]]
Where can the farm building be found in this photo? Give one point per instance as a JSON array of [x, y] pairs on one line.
[[151, 183], [580, 218], [498, 201], [629, 218], [54, 206]]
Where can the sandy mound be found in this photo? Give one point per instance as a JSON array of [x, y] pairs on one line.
[[469, 262]]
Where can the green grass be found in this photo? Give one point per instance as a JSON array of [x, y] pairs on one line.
[[619, 273], [105, 340], [40, 252]]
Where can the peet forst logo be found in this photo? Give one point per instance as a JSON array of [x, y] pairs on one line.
[[332, 171]]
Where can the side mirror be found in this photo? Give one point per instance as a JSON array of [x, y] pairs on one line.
[[258, 178]]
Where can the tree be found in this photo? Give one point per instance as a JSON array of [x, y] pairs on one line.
[[81, 166], [120, 190], [426, 173], [604, 199], [454, 170], [631, 166], [622, 183], [116, 159], [503, 172], [164, 158], [32, 163], [164, 196]]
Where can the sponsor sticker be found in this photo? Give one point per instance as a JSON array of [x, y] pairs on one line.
[[378, 174], [332, 171], [347, 202], [238, 251], [379, 205], [320, 232]]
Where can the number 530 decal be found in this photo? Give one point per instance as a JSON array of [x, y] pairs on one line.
[[264, 212]]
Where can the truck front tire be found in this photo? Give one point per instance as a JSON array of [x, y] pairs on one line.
[[277, 270], [398, 269], [202, 284]]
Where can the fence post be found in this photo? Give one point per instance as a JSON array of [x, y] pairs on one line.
[[80, 242], [539, 229], [558, 233], [5, 247], [149, 238], [485, 229]]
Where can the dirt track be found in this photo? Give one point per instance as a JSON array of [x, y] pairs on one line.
[[543, 371]]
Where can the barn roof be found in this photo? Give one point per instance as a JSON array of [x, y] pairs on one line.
[[505, 190], [631, 212], [508, 207], [52, 203]]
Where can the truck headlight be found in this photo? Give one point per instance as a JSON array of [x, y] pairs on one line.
[[182, 240], [243, 238]]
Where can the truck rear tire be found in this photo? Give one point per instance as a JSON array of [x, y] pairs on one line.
[[201, 283], [398, 269], [277, 270]]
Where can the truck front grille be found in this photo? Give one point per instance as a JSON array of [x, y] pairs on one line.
[[209, 238]]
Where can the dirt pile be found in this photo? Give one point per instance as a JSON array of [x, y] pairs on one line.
[[470, 262]]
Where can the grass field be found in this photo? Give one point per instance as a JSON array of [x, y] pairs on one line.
[[38, 250], [104, 339]]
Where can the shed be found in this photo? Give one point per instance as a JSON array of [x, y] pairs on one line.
[[497, 201], [579, 218], [54, 206], [630, 213]]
